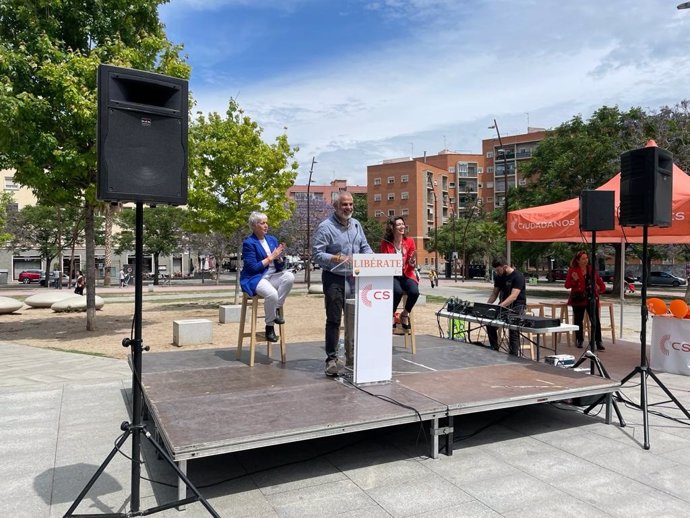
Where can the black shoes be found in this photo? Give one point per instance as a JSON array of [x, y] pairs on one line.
[[279, 318], [579, 345], [271, 334], [600, 347]]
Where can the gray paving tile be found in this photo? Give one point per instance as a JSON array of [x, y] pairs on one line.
[[297, 476], [468, 465], [415, 497], [318, 501], [512, 492], [471, 509]]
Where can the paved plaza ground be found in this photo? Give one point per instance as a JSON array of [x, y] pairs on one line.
[[62, 412]]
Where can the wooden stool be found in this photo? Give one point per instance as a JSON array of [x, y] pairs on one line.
[[253, 334], [558, 310], [611, 327], [409, 334]]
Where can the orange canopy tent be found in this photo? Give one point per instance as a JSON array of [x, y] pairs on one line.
[[561, 221]]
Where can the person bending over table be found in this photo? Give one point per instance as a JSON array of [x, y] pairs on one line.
[[395, 242], [509, 288], [335, 240], [577, 280], [263, 271]]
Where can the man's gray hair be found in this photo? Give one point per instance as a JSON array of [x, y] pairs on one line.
[[256, 217], [339, 195]]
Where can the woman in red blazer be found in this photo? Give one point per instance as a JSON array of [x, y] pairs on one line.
[[395, 242], [577, 280]]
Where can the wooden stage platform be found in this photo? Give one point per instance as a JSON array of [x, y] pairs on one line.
[[206, 403]]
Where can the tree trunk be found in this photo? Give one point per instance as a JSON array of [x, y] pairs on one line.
[[108, 245], [155, 268], [90, 268]]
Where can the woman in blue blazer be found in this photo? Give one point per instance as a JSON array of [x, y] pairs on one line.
[[263, 271]]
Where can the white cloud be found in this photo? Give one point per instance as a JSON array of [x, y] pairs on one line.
[[479, 61]]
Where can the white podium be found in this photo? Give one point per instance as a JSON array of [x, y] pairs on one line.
[[374, 316]]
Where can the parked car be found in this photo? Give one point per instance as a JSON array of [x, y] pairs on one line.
[[51, 281], [476, 270], [607, 275], [664, 279], [31, 275], [557, 274]]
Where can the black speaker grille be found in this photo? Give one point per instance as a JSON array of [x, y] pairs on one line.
[[646, 187], [142, 136], [144, 156], [597, 210]]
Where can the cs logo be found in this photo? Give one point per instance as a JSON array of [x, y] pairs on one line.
[[368, 293], [663, 344]]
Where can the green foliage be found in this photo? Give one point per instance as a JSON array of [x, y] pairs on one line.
[[6, 199], [234, 172], [371, 227], [475, 238], [46, 229], [162, 230], [49, 53]]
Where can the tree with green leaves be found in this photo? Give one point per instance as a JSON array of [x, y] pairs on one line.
[[45, 229], [583, 154], [371, 227], [162, 232], [234, 172], [6, 199], [49, 55]]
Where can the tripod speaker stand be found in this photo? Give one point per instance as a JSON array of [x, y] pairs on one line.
[[643, 369], [136, 428]]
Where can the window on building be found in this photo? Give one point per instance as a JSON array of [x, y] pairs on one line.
[[489, 185], [378, 213], [451, 185], [404, 179], [391, 196], [377, 197], [404, 212], [377, 181], [10, 184], [404, 195], [522, 181], [391, 212], [391, 179], [489, 154], [489, 169]]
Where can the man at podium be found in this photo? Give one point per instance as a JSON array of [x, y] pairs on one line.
[[335, 240]]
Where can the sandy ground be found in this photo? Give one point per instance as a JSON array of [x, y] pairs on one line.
[[304, 315]]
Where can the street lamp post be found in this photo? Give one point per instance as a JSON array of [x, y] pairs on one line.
[[307, 269], [505, 184], [454, 255], [432, 184]]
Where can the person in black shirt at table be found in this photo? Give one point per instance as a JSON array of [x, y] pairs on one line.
[[509, 288]]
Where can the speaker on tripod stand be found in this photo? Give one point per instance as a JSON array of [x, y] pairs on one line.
[[596, 213], [646, 201], [142, 157]]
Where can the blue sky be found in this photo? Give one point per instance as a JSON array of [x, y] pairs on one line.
[[359, 81]]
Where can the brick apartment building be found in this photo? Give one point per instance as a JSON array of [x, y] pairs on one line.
[[427, 191], [518, 150], [323, 192]]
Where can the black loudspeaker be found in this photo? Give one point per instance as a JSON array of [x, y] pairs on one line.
[[646, 187], [597, 210], [142, 136]]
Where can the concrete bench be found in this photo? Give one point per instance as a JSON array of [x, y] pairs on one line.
[[192, 332], [229, 314]]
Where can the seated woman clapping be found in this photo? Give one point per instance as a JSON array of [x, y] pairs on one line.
[[263, 271], [395, 242]]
